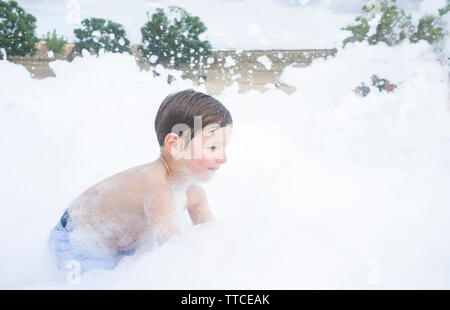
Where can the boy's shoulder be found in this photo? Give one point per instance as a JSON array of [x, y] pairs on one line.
[[152, 178], [146, 178]]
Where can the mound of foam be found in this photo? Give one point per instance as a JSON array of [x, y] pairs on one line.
[[323, 189]]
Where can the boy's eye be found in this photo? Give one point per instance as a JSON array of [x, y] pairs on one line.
[[213, 148]]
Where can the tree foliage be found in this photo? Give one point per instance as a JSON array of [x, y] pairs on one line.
[[55, 44], [383, 21], [176, 39], [98, 33], [445, 9], [17, 30], [359, 31], [392, 25], [430, 29]]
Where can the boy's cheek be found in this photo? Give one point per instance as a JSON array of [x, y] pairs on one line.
[[204, 164], [207, 156], [197, 166]]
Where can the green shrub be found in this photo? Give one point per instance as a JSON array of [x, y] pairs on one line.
[[392, 25], [98, 33], [174, 40], [445, 9], [17, 30], [430, 29], [359, 31], [55, 44]]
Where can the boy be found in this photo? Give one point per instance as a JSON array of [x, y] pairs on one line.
[[141, 205]]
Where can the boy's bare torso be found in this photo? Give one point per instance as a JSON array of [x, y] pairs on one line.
[[114, 209]]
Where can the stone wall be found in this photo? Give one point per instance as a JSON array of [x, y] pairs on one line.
[[38, 64], [254, 69], [250, 69]]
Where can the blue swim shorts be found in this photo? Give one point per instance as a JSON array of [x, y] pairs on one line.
[[64, 251]]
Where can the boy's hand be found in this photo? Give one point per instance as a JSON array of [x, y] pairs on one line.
[[197, 205]]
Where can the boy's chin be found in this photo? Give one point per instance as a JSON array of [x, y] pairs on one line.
[[206, 176]]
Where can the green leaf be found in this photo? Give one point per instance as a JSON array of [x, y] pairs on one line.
[[98, 33], [174, 40], [17, 30]]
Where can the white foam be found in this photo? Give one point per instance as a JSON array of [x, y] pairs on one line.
[[357, 184]]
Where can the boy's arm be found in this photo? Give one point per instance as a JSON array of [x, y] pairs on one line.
[[197, 205], [160, 212]]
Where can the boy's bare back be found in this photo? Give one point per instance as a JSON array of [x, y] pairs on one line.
[[117, 208], [137, 203]]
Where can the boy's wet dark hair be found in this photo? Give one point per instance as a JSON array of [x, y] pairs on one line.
[[182, 106]]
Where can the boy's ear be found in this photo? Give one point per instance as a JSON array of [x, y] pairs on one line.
[[175, 145]]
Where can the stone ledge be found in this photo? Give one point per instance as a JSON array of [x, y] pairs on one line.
[[216, 73]]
